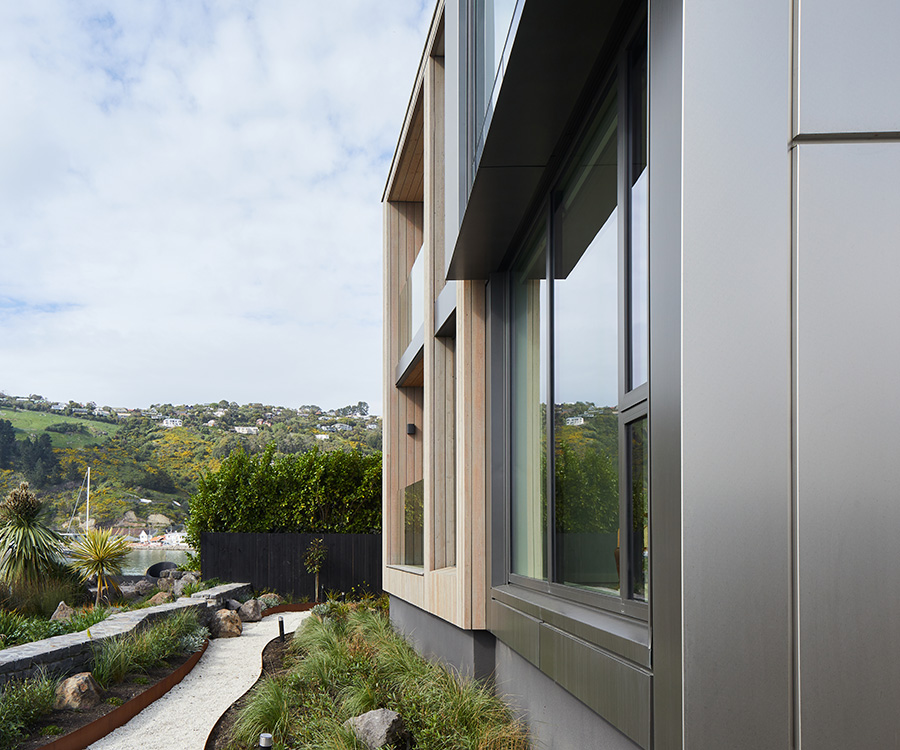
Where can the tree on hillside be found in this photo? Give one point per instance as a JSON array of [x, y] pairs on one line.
[[39, 462], [9, 450]]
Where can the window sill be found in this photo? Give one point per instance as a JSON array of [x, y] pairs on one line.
[[417, 571], [622, 636]]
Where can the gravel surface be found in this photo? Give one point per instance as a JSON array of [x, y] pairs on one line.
[[184, 717]]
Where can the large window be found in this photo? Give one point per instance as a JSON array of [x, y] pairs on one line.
[[579, 510]]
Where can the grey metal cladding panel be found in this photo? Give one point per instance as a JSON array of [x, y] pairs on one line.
[[518, 631], [848, 66], [736, 387], [617, 691], [665, 361], [848, 472], [625, 637]]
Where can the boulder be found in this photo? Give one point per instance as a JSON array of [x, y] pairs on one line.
[[63, 612], [250, 611], [270, 600], [165, 584], [377, 728], [79, 691], [182, 583], [232, 604], [137, 589], [163, 597], [225, 624]]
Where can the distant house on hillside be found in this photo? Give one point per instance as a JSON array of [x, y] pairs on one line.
[[320, 436], [246, 430], [172, 422]]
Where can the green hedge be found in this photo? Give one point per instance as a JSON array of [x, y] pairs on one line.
[[333, 492]]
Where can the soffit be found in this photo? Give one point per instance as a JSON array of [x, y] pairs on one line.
[[560, 48]]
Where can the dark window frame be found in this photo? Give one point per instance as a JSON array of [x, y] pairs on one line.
[[634, 402]]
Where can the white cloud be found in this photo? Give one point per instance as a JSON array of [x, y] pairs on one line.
[[189, 197]]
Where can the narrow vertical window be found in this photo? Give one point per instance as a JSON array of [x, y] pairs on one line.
[[528, 512], [585, 367], [639, 223], [639, 510]]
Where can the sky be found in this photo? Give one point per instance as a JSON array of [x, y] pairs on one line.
[[190, 197]]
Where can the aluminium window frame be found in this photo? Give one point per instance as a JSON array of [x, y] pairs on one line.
[[633, 403]]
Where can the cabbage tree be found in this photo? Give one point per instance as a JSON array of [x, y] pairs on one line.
[[31, 550], [99, 553]]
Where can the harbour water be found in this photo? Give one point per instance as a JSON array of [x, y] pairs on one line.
[[141, 558]]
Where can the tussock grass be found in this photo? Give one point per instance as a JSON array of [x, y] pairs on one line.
[[139, 651], [347, 660]]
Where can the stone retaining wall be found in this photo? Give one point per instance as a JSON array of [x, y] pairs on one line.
[[66, 654]]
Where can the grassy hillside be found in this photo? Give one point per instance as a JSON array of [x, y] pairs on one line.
[[34, 422]]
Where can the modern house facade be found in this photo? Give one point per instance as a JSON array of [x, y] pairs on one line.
[[640, 276]]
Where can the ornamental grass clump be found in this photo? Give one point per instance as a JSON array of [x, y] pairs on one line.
[[344, 662], [179, 633]]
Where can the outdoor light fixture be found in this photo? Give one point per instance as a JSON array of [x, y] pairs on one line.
[[410, 429]]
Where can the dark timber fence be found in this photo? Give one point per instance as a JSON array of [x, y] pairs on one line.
[[275, 561]]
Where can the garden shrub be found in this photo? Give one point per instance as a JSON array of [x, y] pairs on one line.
[[22, 703]]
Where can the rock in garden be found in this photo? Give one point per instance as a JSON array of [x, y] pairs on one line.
[[163, 597], [63, 612], [377, 728], [271, 600], [225, 624], [182, 583], [233, 604], [79, 691], [137, 589], [144, 587], [250, 611], [165, 584]]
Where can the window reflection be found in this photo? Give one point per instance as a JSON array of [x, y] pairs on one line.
[[639, 464], [585, 326], [528, 514]]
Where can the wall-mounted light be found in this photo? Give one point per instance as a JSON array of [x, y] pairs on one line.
[[410, 429]]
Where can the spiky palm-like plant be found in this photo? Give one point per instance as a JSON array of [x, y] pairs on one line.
[[99, 553], [30, 549]]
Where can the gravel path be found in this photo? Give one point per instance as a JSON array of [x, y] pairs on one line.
[[184, 717]]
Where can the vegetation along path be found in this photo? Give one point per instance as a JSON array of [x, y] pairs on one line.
[[184, 717]]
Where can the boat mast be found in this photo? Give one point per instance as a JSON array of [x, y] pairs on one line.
[[87, 514]]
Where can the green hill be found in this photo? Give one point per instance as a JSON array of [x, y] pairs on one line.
[[136, 459]]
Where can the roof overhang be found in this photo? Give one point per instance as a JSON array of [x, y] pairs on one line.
[[560, 48]]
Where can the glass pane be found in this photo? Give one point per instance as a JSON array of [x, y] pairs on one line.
[[639, 460], [493, 19], [528, 297], [640, 227], [414, 524], [586, 363], [412, 302]]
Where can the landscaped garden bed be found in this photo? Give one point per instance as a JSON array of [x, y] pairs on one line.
[[123, 667], [346, 660]]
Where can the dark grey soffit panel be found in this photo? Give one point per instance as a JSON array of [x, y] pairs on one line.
[[555, 52]]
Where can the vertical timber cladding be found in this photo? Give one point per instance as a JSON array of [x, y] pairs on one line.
[[275, 561], [404, 235]]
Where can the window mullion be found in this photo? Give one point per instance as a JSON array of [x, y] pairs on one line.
[[550, 409], [623, 337]]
